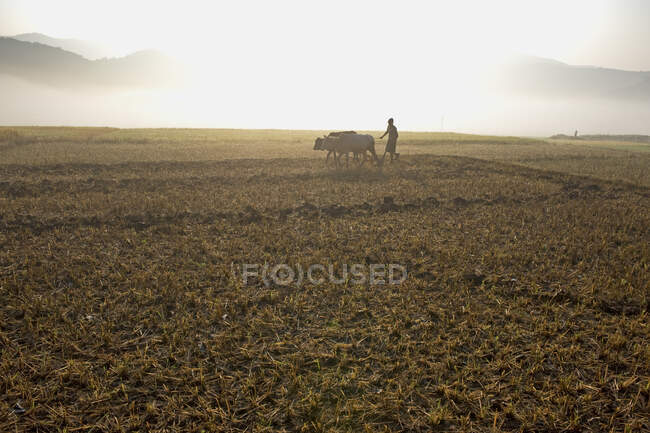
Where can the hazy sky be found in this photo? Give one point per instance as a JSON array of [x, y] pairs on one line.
[[340, 64], [612, 33]]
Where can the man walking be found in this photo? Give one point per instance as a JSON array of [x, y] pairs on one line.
[[392, 141]]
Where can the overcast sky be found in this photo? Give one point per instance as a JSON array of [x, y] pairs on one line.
[[611, 33]]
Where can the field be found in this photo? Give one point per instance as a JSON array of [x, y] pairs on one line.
[[613, 144], [525, 307]]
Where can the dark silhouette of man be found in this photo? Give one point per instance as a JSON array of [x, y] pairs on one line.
[[392, 141]]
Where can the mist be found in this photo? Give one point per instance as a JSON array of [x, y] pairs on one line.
[[303, 99], [501, 67]]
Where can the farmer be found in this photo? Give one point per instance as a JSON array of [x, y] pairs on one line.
[[392, 141]]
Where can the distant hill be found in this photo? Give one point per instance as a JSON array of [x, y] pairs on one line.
[[639, 91], [550, 78], [58, 67], [89, 50], [66, 62]]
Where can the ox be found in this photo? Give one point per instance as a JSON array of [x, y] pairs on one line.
[[346, 142]]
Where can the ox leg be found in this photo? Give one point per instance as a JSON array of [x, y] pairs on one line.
[[357, 160], [338, 159], [327, 160], [363, 158]]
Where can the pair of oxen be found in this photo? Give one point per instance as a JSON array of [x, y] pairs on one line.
[[337, 144]]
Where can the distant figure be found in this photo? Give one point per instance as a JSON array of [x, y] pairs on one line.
[[392, 141], [575, 134]]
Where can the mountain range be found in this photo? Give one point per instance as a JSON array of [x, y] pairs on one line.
[[552, 79], [73, 63], [87, 49], [58, 67]]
